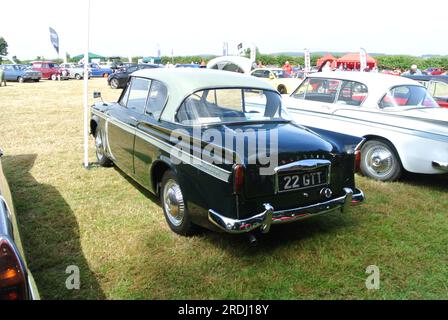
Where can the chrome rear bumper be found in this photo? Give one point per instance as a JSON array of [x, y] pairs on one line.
[[268, 217]]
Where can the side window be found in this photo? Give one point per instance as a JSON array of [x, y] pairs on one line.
[[438, 89], [157, 99], [137, 94], [352, 93], [301, 90], [37, 65], [258, 73], [45, 66], [322, 90], [124, 98]]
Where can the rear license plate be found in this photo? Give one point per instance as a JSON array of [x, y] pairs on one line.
[[302, 180]]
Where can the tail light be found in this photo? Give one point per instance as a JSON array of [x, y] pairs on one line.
[[357, 160], [12, 277], [238, 179]]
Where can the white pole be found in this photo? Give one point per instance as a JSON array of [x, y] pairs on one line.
[[86, 91]]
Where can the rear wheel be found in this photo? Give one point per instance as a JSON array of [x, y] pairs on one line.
[[78, 76], [174, 206], [100, 147], [105, 75], [380, 161], [54, 77], [20, 79]]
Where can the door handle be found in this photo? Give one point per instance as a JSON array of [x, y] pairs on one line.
[[133, 118]]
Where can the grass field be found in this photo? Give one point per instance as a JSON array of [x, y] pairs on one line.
[[116, 234]]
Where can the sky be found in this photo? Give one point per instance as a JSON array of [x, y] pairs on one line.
[[189, 27]]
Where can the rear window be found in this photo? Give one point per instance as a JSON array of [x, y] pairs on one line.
[[408, 96]]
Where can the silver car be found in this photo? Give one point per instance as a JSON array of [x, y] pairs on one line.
[[74, 71]]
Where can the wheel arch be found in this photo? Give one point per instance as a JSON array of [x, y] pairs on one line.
[[370, 137], [94, 123], [158, 169]]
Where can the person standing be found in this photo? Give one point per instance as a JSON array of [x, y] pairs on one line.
[[287, 68], [2, 77], [413, 71]]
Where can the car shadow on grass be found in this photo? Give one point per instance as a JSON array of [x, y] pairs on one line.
[[437, 182], [49, 232], [279, 235]]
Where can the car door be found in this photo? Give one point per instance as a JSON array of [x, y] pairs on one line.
[[124, 119], [149, 132], [10, 73]]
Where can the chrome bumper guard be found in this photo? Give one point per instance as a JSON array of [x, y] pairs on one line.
[[440, 165], [268, 217]]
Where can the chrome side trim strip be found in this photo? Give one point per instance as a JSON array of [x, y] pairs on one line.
[[412, 132], [180, 154]]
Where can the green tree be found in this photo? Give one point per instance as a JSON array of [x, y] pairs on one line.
[[3, 48]]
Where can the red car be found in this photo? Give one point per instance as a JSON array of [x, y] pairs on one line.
[[435, 71], [49, 70]]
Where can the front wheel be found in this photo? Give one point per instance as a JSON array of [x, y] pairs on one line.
[[100, 147], [20, 79], [54, 77], [380, 161], [114, 84], [174, 206], [78, 76]]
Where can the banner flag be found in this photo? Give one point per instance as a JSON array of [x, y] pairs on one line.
[[54, 39], [253, 53], [363, 59], [225, 49], [307, 61]]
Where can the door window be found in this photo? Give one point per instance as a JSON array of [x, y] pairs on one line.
[[352, 93], [322, 90], [438, 89], [157, 99], [138, 93]]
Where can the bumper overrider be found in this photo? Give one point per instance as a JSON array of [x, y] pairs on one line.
[[269, 216]]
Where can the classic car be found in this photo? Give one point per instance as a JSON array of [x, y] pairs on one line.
[[403, 127], [437, 87], [74, 71], [16, 280], [434, 71], [280, 79], [97, 71], [164, 132], [48, 69], [19, 73], [120, 78]]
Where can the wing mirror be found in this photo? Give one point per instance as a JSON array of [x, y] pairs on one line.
[[96, 95], [271, 76]]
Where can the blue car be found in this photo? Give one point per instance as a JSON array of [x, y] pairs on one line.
[[20, 73], [97, 71]]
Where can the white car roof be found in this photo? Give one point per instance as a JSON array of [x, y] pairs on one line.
[[377, 83], [244, 63], [181, 82]]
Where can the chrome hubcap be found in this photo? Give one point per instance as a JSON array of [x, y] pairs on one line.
[[380, 161], [173, 202], [99, 146]]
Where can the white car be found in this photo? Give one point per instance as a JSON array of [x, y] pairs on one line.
[[74, 71], [403, 127]]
